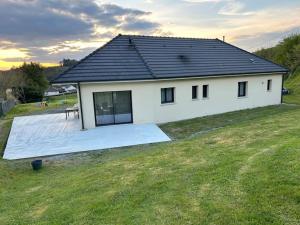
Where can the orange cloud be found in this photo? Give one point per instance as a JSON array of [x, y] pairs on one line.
[[12, 53], [5, 65]]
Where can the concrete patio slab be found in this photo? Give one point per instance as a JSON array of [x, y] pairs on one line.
[[52, 134]]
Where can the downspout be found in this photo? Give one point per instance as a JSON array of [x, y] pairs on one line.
[[80, 105], [282, 80]]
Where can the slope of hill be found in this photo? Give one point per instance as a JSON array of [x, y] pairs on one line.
[[293, 85], [234, 168], [245, 172], [287, 53]]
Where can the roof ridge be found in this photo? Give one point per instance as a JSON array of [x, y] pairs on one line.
[[287, 70], [140, 55], [92, 53], [170, 37]]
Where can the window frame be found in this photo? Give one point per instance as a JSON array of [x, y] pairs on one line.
[[269, 85], [163, 95], [195, 92], [245, 91], [207, 91]]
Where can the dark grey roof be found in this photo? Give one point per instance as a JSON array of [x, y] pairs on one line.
[[132, 57]]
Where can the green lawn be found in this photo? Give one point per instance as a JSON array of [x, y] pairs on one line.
[[234, 168], [54, 102]]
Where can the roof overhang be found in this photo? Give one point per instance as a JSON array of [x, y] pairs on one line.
[[173, 78]]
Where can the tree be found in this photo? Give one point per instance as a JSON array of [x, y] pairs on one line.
[[295, 61], [286, 53], [10, 80], [3, 85], [34, 82], [68, 62]]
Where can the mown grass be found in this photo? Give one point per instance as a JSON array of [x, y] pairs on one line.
[[54, 102], [191, 127], [245, 173], [5, 126]]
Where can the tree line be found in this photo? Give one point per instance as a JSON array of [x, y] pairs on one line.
[[29, 81], [286, 53]]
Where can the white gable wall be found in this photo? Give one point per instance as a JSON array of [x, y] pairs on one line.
[[146, 97]]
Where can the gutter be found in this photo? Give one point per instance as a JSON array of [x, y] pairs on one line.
[[172, 78], [281, 101]]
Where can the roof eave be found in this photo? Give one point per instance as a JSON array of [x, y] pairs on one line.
[[285, 71]]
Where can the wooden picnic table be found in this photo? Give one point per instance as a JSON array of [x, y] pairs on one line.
[[72, 109]]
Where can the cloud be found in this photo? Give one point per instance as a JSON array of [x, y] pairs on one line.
[[56, 26], [140, 24], [264, 40], [234, 8], [204, 1], [49, 30], [13, 53], [264, 21], [263, 29], [4, 65], [229, 8], [70, 46], [34, 21], [64, 19]]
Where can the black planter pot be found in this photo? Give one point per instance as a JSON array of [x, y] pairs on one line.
[[36, 164]]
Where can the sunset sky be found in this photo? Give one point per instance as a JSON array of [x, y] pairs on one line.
[[47, 31]]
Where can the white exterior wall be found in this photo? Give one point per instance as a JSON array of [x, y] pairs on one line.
[[146, 97]]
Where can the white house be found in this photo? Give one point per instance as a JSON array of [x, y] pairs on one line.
[[69, 89], [51, 91], [145, 79]]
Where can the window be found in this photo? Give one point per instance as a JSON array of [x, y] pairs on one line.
[[269, 85], [242, 92], [167, 95], [113, 107], [205, 91], [194, 92]]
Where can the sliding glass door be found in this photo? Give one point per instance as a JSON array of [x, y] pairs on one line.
[[112, 107], [104, 108], [122, 106]]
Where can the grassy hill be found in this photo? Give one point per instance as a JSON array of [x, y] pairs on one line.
[[234, 168], [293, 84], [220, 170], [287, 53]]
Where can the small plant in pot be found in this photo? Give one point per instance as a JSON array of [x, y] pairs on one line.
[[36, 164]]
